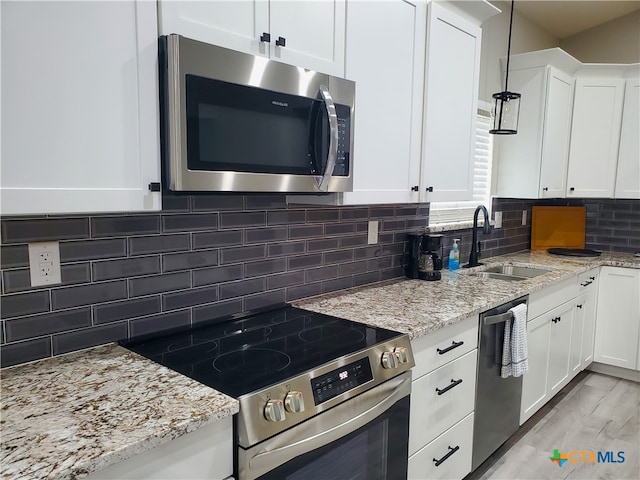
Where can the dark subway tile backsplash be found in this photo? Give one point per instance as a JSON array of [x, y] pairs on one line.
[[221, 254]]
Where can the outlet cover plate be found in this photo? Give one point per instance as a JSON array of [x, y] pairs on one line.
[[524, 217], [497, 219], [373, 232], [44, 263]]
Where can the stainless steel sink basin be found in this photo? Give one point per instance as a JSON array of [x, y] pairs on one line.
[[511, 270], [497, 276], [509, 273]]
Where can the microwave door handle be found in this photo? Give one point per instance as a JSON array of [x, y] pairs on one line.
[[323, 181]]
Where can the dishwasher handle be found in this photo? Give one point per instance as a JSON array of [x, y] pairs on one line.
[[494, 319]]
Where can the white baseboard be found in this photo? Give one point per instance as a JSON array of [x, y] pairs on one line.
[[619, 372]]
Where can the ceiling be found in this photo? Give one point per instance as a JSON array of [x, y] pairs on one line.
[[563, 18]]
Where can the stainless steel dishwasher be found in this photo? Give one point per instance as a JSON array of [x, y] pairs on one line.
[[497, 414]]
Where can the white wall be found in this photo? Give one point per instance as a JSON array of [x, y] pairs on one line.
[[526, 37], [617, 41]]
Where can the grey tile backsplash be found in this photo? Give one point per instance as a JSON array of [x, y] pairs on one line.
[[206, 256]]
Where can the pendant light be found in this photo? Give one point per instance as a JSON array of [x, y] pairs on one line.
[[506, 104]]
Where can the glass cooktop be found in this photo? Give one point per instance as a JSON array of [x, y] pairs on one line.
[[241, 356]]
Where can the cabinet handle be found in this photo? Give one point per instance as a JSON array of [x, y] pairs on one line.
[[579, 306], [452, 450], [454, 344], [265, 37], [587, 283], [429, 189], [449, 387], [545, 189], [155, 187], [572, 189], [281, 42], [415, 188]]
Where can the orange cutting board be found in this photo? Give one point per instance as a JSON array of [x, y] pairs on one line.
[[558, 227]]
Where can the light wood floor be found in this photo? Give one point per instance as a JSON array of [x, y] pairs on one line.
[[594, 412]]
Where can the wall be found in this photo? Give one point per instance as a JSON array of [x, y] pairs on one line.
[[201, 257], [526, 37], [617, 41]]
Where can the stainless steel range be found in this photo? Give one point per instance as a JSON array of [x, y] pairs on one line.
[[320, 397]]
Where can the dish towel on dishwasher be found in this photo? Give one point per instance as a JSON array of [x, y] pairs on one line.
[[514, 348]]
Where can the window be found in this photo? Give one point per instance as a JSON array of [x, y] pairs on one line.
[[453, 212]]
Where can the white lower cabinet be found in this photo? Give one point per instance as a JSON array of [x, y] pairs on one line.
[[618, 317], [560, 347], [588, 288], [577, 334], [206, 453], [443, 396], [448, 456], [534, 382]]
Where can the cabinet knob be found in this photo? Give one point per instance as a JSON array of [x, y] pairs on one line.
[[281, 42], [545, 189], [572, 189], [415, 188], [556, 319], [155, 187], [592, 278], [579, 306], [429, 189], [265, 37]]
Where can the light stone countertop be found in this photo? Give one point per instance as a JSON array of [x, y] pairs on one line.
[[67, 416], [70, 415], [418, 307]]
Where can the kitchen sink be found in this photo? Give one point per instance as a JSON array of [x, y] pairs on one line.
[[509, 273], [511, 270]]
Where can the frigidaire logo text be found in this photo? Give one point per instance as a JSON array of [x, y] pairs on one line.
[[279, 104], [582, 456]]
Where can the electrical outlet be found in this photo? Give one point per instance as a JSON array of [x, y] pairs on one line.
[[497, 218], [44, 263], [524, 217], [373, 232]]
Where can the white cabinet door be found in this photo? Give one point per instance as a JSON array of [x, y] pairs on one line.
[[628, 175], [577, 333], [618, 318], [313, 31], [314, 34], [389, 99], [559, 347], [588, 282], [451, 102], [79, 107], [534, 382], [595, 134], [557, 128], [533, 163], [227, 23]]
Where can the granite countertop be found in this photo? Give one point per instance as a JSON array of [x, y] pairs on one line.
[[417, 307], [74, 414]]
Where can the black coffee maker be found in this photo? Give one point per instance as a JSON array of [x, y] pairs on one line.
[[424, 256]]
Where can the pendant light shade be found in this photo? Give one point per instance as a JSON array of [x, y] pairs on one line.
[[506, 104]]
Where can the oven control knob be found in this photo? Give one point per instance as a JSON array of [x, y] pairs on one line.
[[389, 360], [274, 411], [294, 402], [401, 354]]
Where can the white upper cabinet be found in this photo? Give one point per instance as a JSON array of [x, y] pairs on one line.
[[533, 163], [388, 99], [595, 135], [628, 175], [79, 107], [309, 34], [452, 75]]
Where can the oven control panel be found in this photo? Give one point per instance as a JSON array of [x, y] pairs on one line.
[[341, 380]]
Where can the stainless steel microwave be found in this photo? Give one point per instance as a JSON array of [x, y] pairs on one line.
[[233, 122]]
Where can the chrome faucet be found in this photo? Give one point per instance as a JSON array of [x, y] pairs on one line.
[[475, 254]]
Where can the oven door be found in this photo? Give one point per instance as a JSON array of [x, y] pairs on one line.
[[365, 437]]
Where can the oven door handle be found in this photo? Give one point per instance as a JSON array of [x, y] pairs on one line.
[[328, 427], [323, 182]]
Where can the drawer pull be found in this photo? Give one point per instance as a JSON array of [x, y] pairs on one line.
[[449, 387], [451, 451], [448, 349]]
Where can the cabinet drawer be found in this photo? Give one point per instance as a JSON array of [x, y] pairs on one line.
[[459, 438], [444, 345], [544, 300], [432, 412]]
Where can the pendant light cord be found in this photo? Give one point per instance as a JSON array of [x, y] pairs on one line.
[[506, 78]]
